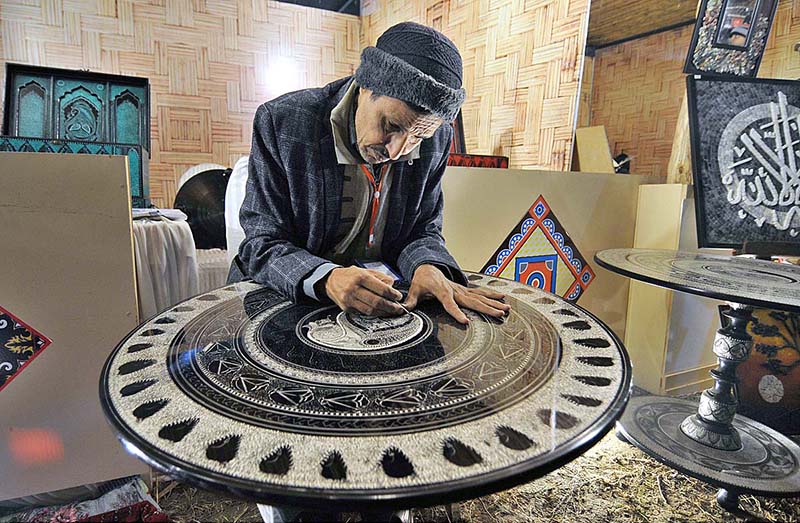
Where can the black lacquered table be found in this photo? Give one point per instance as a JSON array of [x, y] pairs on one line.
[[242, 391], [706, 439]]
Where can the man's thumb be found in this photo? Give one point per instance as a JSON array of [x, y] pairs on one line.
[[411, 299]]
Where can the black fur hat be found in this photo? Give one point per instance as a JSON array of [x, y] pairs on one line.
[[416, 64]]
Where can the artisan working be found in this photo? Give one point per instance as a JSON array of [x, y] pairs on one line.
[[344, 189]]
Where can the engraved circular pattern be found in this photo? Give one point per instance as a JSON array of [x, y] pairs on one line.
[[766, 464], [227, 402], [335, 330], [265, 372], [740, 280]]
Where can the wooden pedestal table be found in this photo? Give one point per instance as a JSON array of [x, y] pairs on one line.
[[706, 440]]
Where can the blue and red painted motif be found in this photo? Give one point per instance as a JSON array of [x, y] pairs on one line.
[[543, 255]]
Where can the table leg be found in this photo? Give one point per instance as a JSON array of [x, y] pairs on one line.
[[713, 424]]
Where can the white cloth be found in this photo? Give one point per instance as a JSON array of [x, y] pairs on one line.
[[166, 264], [234, 196], [212, 269], [175, 215]]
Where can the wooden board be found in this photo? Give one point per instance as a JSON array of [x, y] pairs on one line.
[[597, 211], [67, 270], [592, 154]]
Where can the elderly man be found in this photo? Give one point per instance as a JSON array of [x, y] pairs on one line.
[[351, 173]]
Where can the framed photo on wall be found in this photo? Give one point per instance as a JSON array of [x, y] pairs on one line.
[[745, 140], [729, 37]]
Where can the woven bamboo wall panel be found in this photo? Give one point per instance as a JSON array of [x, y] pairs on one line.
[[614, 20], [522, 69], [637, 90], [781, 60], [211, 63]]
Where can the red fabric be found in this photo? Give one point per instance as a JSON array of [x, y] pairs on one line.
[[142, 511], [477, 160]]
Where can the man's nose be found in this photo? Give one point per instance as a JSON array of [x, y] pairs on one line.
[[396, 144]]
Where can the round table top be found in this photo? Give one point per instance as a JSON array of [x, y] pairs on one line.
[[739, 280], [242, 391]]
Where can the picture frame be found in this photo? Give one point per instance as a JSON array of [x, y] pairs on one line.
[[730, 37], [745, 143], [458, 144]]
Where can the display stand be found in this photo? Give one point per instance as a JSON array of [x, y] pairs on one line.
[[706, 440]]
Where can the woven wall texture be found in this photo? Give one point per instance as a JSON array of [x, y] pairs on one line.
[[210, 63], [522, 68], [638, 87], [636, 93]]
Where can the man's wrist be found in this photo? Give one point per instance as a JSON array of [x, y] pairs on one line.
[[321, 287]]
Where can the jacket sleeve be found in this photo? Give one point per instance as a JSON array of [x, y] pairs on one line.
[[270, 252], [427, 243]]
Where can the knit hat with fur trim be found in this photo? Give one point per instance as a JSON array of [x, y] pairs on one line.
[[416, 64]]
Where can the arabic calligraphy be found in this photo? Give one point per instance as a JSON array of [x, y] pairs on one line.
[[758, 156]]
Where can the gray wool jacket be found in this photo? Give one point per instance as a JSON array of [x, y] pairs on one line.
[[293, 198]]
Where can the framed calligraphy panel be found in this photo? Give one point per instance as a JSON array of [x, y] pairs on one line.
[[745, 137]]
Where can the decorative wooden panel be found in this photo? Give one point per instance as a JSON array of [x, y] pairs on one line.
[[522, 68], [614, 20], [210, 63], [637, 91]]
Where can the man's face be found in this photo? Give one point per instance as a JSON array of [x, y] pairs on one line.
[[387, 128], [738, 40]]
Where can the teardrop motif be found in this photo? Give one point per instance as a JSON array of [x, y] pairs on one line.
[[133, 366], [593, 343], [582, 400], [513, 439], [596, 361], [562, 419], [224, 449], [145, 410], [133, 388], [396, 464], [334, 467], [459, 453], [178, 430], [278, 462]]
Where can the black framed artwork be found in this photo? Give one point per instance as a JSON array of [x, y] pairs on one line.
[[745, 140], [729, 37]]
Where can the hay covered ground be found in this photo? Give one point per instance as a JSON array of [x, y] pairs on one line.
[[613, 482]]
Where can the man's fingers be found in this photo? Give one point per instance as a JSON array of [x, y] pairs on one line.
[[494, 303], [487, 293], [385, 278], [450, 305], [378, 306], [381, 287], [478, 304]]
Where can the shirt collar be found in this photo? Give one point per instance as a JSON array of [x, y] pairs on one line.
[[343, 123]]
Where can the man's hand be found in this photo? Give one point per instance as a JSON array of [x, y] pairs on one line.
[[429, 282], [369, 292]]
